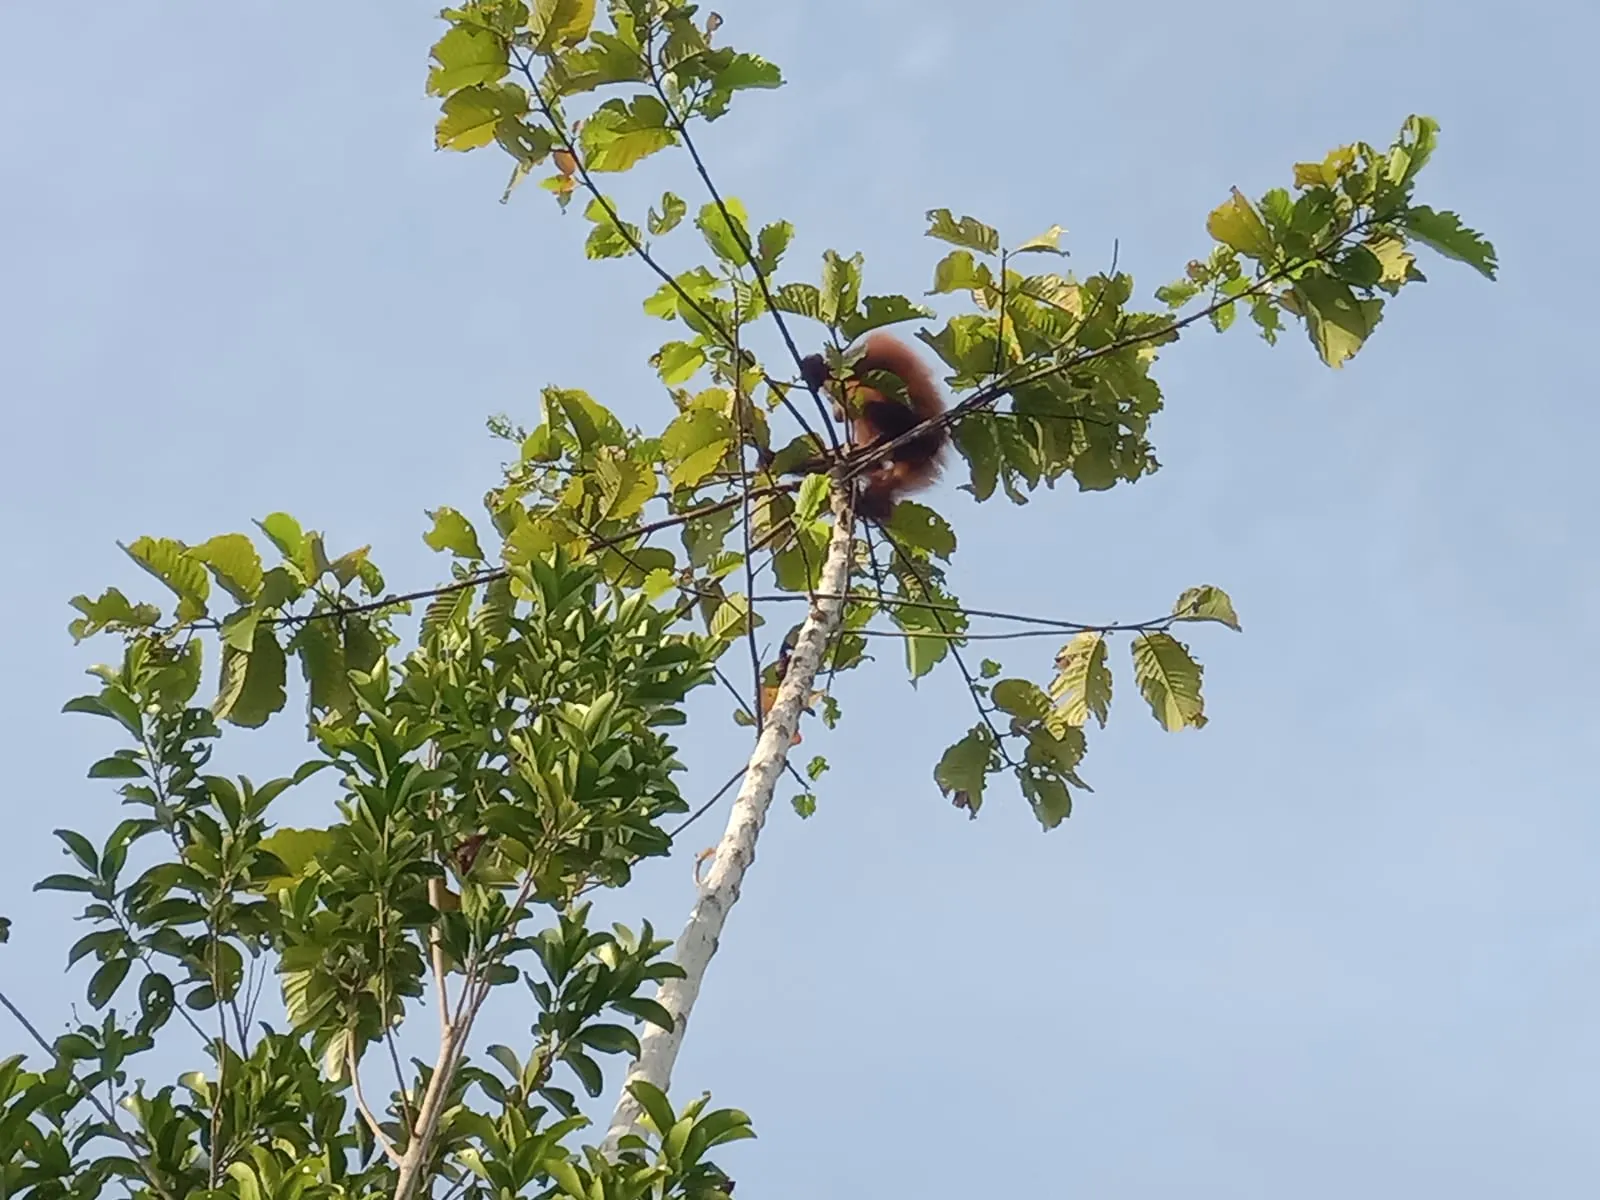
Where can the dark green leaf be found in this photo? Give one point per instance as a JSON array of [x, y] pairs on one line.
[[105, 982]]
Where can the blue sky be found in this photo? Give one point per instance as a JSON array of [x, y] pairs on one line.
[[1343, 939]]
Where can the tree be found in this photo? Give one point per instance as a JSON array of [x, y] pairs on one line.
[[508, 756]]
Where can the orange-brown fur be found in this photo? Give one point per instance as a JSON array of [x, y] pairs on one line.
[[877, 417]]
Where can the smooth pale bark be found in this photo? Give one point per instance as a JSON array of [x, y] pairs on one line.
[[719, 890]]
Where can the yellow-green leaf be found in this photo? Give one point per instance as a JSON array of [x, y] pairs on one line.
[[677, 362], [252, 686], [625, 486], [958, 271], [1337, 322], [967, 231], [171, 563], [468, 118], [464, 56], [619, 134], [811, 498], [726, 233], [1021, 698], [1047, 242], [561, 23], [1169, 680], [234, 563], [1206, 603], [1083, 681], [1236, 223], [111, 610], [453, 532]]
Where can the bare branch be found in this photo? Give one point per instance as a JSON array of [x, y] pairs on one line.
[[720, 889]]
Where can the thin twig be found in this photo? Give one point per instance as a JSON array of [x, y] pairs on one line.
[[1154, 624], [744, 527], [740, 235], [558, 127], [955, 651], [378, 1134]]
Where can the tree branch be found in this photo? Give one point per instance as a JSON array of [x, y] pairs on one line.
[[720, 889], [361, 1104]]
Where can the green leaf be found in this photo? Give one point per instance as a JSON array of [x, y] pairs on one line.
[[967, 232], [677, 362], [1264, 312], [113, 611], [234, 564], [1336, 321], [98, 943], [1412, 149], [958, 271], [64, 883], [117, 767], [284, 532], [693, 287], [1169, 680], [734, 73], [105, 982], [696, 443], [465, 56], [1176, 295], [279, 588], [801, 299], [841, 284], [608, 1039], [625, 487], [1048, 796], [878, 311], [673, 209], [744, 71], [773, 240], [811, 499], [608, 239], [1236, 223], [1444, 232], [1083, 681], [1047, 242], [1021, 698], [561, 23], [592, 424], [252, 684], [322, 664], [155, 1002], [619, 134], [655, 1104], [729, 621], [453, 532], [920, 527], [607, 59], [964, 767], [1207, 603], [171, 563], [470, 117], [81, 849], [726, 233], [585, 1068]]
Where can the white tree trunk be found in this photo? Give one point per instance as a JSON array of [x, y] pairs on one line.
[[719, 890]]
